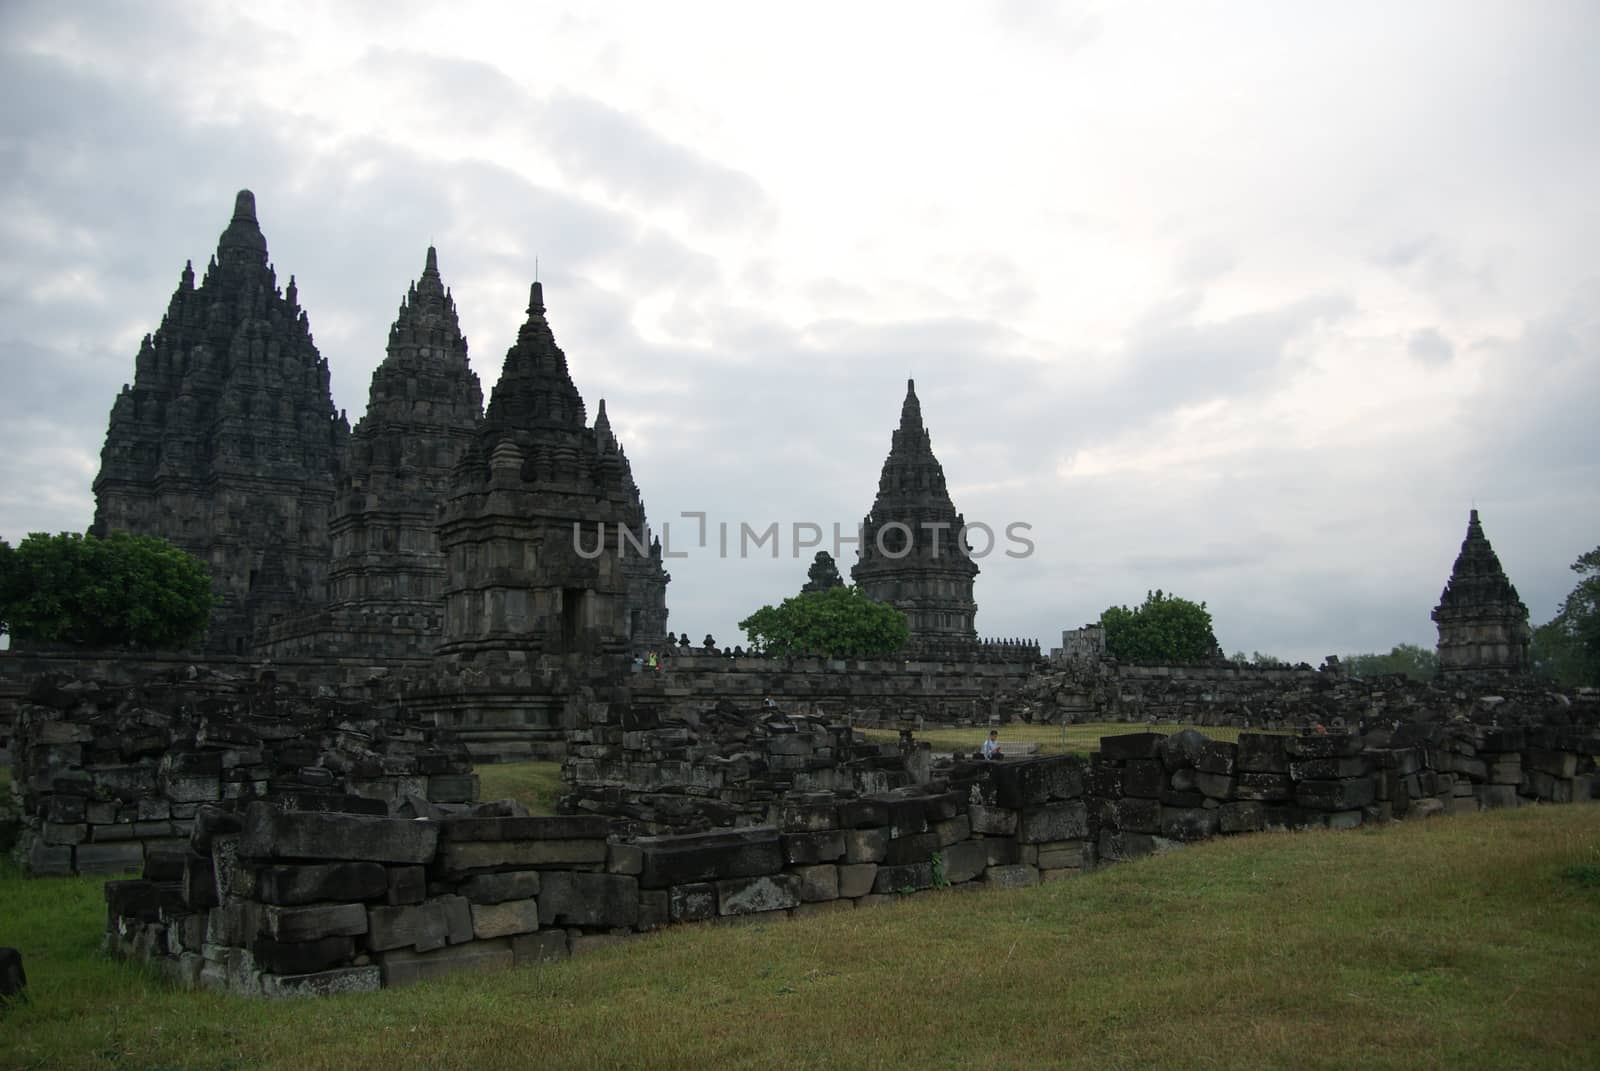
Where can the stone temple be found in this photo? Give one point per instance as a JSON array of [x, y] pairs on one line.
[[912, 556], [434, 526], [227, 442], [1483, 624]]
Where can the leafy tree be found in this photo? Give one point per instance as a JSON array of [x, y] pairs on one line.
[[1567, 647], [1165, 629], [123, 591], [840, 623], [823, 575], [1256, 658], [1408, 659]]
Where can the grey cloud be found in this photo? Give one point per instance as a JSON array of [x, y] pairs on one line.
[[1429, 347]]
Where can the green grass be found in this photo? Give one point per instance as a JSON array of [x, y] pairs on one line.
[[1052, 739], [1448, 944], [536, 785]]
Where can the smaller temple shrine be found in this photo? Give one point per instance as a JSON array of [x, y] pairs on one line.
[[1483, 624]]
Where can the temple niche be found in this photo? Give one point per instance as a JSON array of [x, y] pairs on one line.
[[1483, 624], [912, 555], [546, 545], [387, 575], [227, 442]]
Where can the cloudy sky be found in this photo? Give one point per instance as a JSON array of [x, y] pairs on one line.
[[1247, 302]]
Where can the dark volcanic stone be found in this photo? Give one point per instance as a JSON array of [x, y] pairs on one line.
[[697, 857]]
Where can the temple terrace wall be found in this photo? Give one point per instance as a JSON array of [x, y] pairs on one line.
[[271, 902]]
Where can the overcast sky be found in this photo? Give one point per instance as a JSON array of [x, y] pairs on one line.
[[1251, 303]]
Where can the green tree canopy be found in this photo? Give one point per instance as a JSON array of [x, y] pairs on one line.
[[122, 591], [1567, 647], [1408, 659], [823, 575], [1165, 629], [839, 623]]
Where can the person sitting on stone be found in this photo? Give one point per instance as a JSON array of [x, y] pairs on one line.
[[991, 746]]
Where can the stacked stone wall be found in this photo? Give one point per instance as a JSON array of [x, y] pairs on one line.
[[104, 775]]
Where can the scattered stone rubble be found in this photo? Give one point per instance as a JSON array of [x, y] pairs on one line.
[[107, 775]]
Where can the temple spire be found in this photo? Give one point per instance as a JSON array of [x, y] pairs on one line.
[[242, 243], [911, 410], [1483, 623]]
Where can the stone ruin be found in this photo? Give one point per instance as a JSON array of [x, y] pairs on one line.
[[1483, 625], [275, 902]]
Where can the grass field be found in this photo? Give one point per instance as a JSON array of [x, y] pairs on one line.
[[536, 785], [1471, 942], [1052, 739]]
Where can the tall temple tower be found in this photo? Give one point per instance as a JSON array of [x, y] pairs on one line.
[[386, 580], [227, 443], [912, 556], [526, 569], [1483, 625]]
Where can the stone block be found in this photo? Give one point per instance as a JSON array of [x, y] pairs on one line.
[[1144, 778], [1342, 795], [856, 879], [505, 919], [624, 859], [64, 832], [953, 830], [992, 821], [1506, 771], [917, 848], [805, 848], [289, 885], [563, 827], [312, 923], [817, 883], [1015, 876], [1217, 757], [1130, 746], [692, 903], [199, 882], [1060, 854], [1247, 816], [1557, 764], [1054, 821], [863, 814], [1189, 823], [425, 926], [1133, 815], [546, 946], [1118, 846], [1328, 769], [1031, 782], [746, 896], [1263, 753], [119, 858], [453, 788], [365, 979], [403, 966], [908, 815], [655, 909], [301, 957], [802, 816], [406, 885], [569, 898], [943, 806], [1264, 787], [866, 845], [498, 888], [1000, 852], [464, 857], [1323, 746], [1104, 780], [272, 834], [697, 857], [1214, 786], [964, 861], [907, 878]]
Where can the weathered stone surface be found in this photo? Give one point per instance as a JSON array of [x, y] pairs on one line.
[[953, 830], [1217, 757], [1553, 763], [301, 957], [1131, 746], [366, 979], [1056, 821], [562, 827], [1265, 787], [1342, 795], [1031, 782], [1263, 753], [1214, 786], [1117, 846], [1133, 815], [1242, 817], [1016, 876], [801, 816], [866, 845], [965, 861], [312, 923], [911, 849], [1189, 823], [118, 858], [426, 926], [992, 821], [1323, 746], [624, 859], [274, 834], [1144, 778], [856, 879], [907, 878], [505, 918], [818, 883], [699, 857], [1328, 769], [745, 896], [289, 885], [498, 888], [462, 857], [822, 847], [692, 903], [1055, 856], [407, 885], [403, 966], [863, 814], [577, 899]]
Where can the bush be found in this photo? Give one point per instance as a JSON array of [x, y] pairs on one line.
[[840, 623], [1165, 629]]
